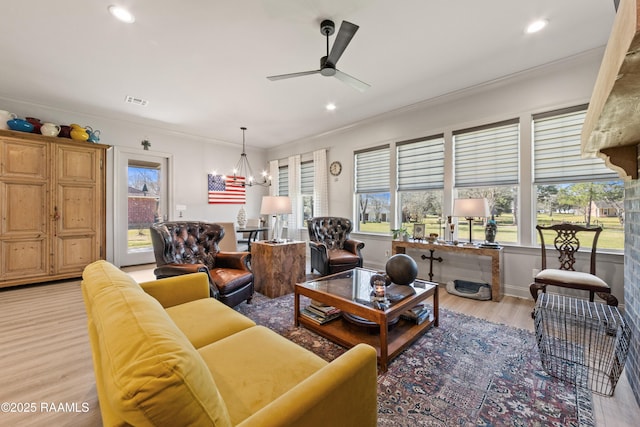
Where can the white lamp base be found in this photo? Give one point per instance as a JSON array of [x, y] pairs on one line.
[[276, 231]]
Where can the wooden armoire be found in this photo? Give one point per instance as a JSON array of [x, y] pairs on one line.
[[52, 207]]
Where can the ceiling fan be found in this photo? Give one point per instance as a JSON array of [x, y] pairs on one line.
[[328, 62]]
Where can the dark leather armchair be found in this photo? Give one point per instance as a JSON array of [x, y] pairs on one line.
[[189, 246], [332, 250]]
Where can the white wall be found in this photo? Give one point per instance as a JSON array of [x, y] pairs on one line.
[[565, 83], [558, 85], [192, 159]]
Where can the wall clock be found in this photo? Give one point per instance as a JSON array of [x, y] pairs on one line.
[[335, 168]]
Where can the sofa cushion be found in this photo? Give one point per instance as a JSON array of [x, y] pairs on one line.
[[229, 280], [253, 367], [567, 276], [342, 257], [151, 373], [207, 320]]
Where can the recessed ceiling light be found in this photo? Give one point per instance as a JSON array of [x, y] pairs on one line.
[[536, 26], [122, 14], [330, 106]]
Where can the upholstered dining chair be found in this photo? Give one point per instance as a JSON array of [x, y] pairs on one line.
[[332, 250], [228, 242], [244, 241], [566, 241]]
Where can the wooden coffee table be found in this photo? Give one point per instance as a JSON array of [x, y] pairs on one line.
[[350, 292]]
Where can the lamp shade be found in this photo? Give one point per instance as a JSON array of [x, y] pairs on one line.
[[275, 205], [470, 208]]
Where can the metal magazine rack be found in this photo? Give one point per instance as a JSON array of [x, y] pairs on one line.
[[581, 342]]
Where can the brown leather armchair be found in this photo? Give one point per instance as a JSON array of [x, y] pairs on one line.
[[332, 250], [189, 246]]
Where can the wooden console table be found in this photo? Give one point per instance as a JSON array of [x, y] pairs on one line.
[[277, 267], [400, 247]]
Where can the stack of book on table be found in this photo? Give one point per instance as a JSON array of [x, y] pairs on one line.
[[417, 314], [320, 313]]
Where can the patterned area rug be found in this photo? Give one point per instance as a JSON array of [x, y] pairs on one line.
[[467, 372]]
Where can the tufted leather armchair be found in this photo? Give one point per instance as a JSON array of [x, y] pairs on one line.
[[184, 247], [332, 250]]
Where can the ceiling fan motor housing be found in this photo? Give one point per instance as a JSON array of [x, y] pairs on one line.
[[327, 27], [327, 68]]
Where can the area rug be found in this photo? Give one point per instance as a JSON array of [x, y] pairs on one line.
[[466, 372]]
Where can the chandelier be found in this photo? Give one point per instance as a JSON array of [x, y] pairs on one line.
[[243, 174]]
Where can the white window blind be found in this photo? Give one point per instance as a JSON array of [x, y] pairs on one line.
[[557, 156], [373, 170], [283, 181], [487, 155], [421, 164], [306, 178]]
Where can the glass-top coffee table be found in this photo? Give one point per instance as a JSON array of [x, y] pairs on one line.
[[350, 291]]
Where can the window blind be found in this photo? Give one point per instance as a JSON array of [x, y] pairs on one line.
[[421, 164], [557, 152], [283, 181], [373, 171], [487, 155], [306, 178]]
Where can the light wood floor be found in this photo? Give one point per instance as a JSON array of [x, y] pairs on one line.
[[45, 358]]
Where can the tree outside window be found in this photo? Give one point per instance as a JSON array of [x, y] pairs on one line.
[[373, 212], [487, 165], [422, 207], [503, 205], [585, 203], [569, 188], [373, 198]]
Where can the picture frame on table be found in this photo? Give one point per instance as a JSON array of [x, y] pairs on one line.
[[418, 231]]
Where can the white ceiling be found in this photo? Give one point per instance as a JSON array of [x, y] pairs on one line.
[[202, 64]]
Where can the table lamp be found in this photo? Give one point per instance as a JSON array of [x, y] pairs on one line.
[[469, 209], [276, 206]]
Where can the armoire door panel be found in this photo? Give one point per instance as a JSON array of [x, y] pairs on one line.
[[24, 159], [26, 257], [23, 208], [78, 165], [74, 252], [76, 209]]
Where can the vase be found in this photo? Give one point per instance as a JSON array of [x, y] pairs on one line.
[[50, 129], [5, 116], [37, 124], [242, 217], [490, 231]]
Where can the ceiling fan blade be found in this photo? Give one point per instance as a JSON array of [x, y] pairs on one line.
[[352, 81], [288, 76], [346, 33]]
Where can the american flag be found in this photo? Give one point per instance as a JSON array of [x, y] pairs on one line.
[[224, 189]]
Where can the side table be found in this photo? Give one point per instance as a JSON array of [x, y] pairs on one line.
[[277, 267]]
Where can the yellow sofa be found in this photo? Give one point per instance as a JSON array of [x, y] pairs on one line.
[[165, 354]]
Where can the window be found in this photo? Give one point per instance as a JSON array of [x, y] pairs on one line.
[[283, 181], [486, 165], [306, 190], [373, 197], [420, 183], [569, 188]]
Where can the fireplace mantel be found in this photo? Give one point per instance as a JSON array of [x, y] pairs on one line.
[[612, 126]]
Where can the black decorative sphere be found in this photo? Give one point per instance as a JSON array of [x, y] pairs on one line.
[[402, 269]]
